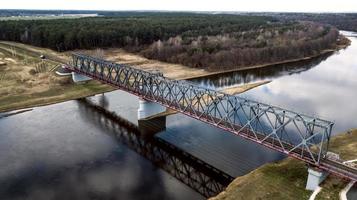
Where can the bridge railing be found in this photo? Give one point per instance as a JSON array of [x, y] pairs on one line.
[[298, 135]]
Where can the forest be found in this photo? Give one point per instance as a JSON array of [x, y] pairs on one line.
[[343, 21], [245, 48], [212, 41]]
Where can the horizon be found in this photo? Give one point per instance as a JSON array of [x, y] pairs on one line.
[[184, 11], [273, 6]]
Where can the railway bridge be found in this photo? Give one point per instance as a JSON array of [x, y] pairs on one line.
[[297, 135]]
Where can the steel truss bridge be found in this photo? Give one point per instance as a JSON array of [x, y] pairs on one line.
[[195, 173], [297, 135]]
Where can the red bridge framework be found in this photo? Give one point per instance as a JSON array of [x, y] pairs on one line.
[[297, 135]]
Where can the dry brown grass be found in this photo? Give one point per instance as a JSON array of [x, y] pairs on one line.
[[173, 71], [38, 50], [27, 84], [287, 179]]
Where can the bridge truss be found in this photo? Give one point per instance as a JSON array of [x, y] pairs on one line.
[[291, 133]]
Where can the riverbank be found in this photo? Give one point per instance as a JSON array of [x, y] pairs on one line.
[[286, 179], [181, 72], [345, 42], [27, 81]]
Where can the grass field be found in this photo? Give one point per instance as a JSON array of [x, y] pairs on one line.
[[47, 17], [26, 80]]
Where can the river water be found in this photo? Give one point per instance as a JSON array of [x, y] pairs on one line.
[[71, 150], [324, 87]]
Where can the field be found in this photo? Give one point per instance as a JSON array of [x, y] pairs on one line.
[[46, 17], [26, 80]]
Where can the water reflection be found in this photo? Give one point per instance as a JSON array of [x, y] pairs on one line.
[[254, 75], [215, 146], [327, 90], [200, 176], [57, 153], [352, 193], [324, 87], [348, 33]]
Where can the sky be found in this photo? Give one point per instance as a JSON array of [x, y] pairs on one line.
[[188, 5]]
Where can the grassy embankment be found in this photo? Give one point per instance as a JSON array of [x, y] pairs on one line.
[[287, 179], [27, 81]]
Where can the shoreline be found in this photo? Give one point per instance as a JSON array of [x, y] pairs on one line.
[[286, 178], [37, 102], [34, 103], [324, 52]]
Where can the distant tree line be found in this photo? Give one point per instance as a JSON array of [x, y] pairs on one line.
[[257, 46], [196, 40], [343, 21], [69, 34]]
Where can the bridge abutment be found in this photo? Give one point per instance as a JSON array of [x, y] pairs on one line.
[[77, 78], [148, 109], [314, 178]]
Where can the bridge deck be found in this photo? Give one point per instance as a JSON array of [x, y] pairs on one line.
[[294, 134]]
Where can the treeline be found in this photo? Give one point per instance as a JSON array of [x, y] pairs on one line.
[[234, 50], [123, 31], [196, 40], [343, 21]]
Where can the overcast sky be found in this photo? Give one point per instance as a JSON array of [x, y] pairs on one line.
[[188, 5]]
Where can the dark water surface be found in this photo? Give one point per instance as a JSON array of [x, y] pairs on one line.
[[77, 150], [68, 151]]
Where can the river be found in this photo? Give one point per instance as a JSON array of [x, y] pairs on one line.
[[91, 149], [324, 87]]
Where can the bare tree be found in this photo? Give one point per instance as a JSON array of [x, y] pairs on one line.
[[98, 53]]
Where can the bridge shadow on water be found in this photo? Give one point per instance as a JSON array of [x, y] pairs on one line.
[[193, 172], [42, 181]]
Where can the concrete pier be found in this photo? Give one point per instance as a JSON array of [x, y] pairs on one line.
[[147, 109], [148, 128], [315, 178], [79, 78]]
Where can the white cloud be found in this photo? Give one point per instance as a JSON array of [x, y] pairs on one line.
[[207, 5]]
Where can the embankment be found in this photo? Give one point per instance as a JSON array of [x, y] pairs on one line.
[[286, 179]]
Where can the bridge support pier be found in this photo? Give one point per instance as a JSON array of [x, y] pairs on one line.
[[147, 109], [79, 78], [150, 127], [315, 178]]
